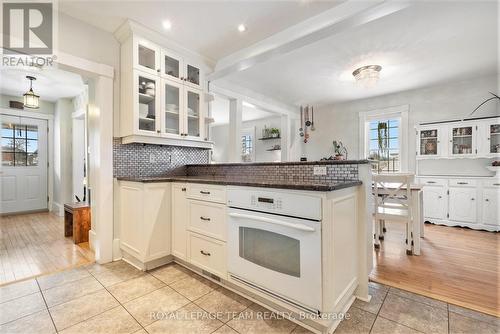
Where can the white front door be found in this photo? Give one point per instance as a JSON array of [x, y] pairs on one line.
[[23, 179]]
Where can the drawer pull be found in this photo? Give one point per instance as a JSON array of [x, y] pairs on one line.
[[204, 192], [431, 181], [462, 183], [496, 184], [205, 253], [183, 189], [204, 218], [473, 199]]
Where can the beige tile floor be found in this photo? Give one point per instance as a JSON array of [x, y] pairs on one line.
[[117, 298]]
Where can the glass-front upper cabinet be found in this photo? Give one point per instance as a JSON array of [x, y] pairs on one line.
[[171, 66], [494, 138], [193, 75], [430, 141], [146, 56], [462, 139], [194, 103], [146, 97], [172, 107]]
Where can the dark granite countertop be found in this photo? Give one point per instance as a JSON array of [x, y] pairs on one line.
[[327, 186], [319, 162]]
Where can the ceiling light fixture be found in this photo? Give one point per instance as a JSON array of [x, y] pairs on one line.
[[367, 76], [167, 25], [242, 28], [31, 100]]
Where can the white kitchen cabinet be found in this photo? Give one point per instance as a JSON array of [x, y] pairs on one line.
[[179, 220], [146, 56], [431, 141], [462, 139], [489, 138], [463, 204], [435, 201], [208, 254], [491, 203], [145, 224], [162, 97]]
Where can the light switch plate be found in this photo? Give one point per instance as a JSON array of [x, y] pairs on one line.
[[319, 170]]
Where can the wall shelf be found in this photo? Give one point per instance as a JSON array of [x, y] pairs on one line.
[[269, 138]]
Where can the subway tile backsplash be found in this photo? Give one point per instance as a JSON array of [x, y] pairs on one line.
[[138, 160], [279, 172]]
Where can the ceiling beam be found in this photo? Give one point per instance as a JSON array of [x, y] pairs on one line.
[[340, 18]]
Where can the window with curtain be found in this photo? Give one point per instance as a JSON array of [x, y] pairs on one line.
[[384, 145]]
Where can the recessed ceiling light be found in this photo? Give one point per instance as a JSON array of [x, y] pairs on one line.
[[167, 25], [242, 28]]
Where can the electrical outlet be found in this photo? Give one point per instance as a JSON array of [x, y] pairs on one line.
[[152, 158], [319, 170]]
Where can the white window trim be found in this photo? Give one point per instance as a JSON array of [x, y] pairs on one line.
[[399, 112]]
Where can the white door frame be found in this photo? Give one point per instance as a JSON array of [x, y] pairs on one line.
[[50, 141], [100, 141]]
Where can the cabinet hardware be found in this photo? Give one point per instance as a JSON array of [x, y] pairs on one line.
[[204, 218], [496, 184], [205, 253], [158, 70], [447, 192], [462, 183], [440, 196], [183, 189], [472, 199], [487, 200], [158, 131], [431, 181], [204, 192], [182, 78]]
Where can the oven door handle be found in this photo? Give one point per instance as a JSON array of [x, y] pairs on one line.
[[301, 227]]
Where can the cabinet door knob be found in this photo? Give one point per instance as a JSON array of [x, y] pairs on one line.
[[473, 199], [440, 196], [158, 70], [205, 253], [182, 78], [487, 200]]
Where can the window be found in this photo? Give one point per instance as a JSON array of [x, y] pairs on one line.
[[246, 148], [383, 137], [19, 145], [384, 145]]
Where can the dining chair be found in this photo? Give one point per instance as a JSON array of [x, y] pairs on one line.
[[393, 202]]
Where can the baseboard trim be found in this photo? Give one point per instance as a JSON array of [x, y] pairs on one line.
[[58, 209]]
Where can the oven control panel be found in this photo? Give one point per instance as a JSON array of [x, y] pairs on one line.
[[289, 203], [266, 203]]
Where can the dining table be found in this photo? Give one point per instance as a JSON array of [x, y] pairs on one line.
[[417, 206]]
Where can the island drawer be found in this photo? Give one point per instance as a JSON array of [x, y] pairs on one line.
[[208, 254], [207, 218], [207, 192]]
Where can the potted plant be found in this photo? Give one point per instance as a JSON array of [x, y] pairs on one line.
[[275, 132], [340, 150]]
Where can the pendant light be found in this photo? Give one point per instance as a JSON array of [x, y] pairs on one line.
[[30, 98]]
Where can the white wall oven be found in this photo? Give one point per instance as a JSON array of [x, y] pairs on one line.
[[274, 244]]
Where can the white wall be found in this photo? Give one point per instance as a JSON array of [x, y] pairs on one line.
[[447, 101], [85, 41], [63, 184], [46, 107], [220, 133]]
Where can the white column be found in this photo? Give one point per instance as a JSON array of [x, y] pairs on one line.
[[235, 120], [101, 168], [285, 138]]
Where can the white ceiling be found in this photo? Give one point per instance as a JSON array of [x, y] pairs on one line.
[[51, 84], [206, 27], [424, 44], [220, 111]]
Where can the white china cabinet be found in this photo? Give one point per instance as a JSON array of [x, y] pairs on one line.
[[162, 95], [475, 138]]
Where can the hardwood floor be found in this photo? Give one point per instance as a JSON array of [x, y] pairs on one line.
[[34, 244], [458, 265]]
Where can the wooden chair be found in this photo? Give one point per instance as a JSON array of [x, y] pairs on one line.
[[392, 198]]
